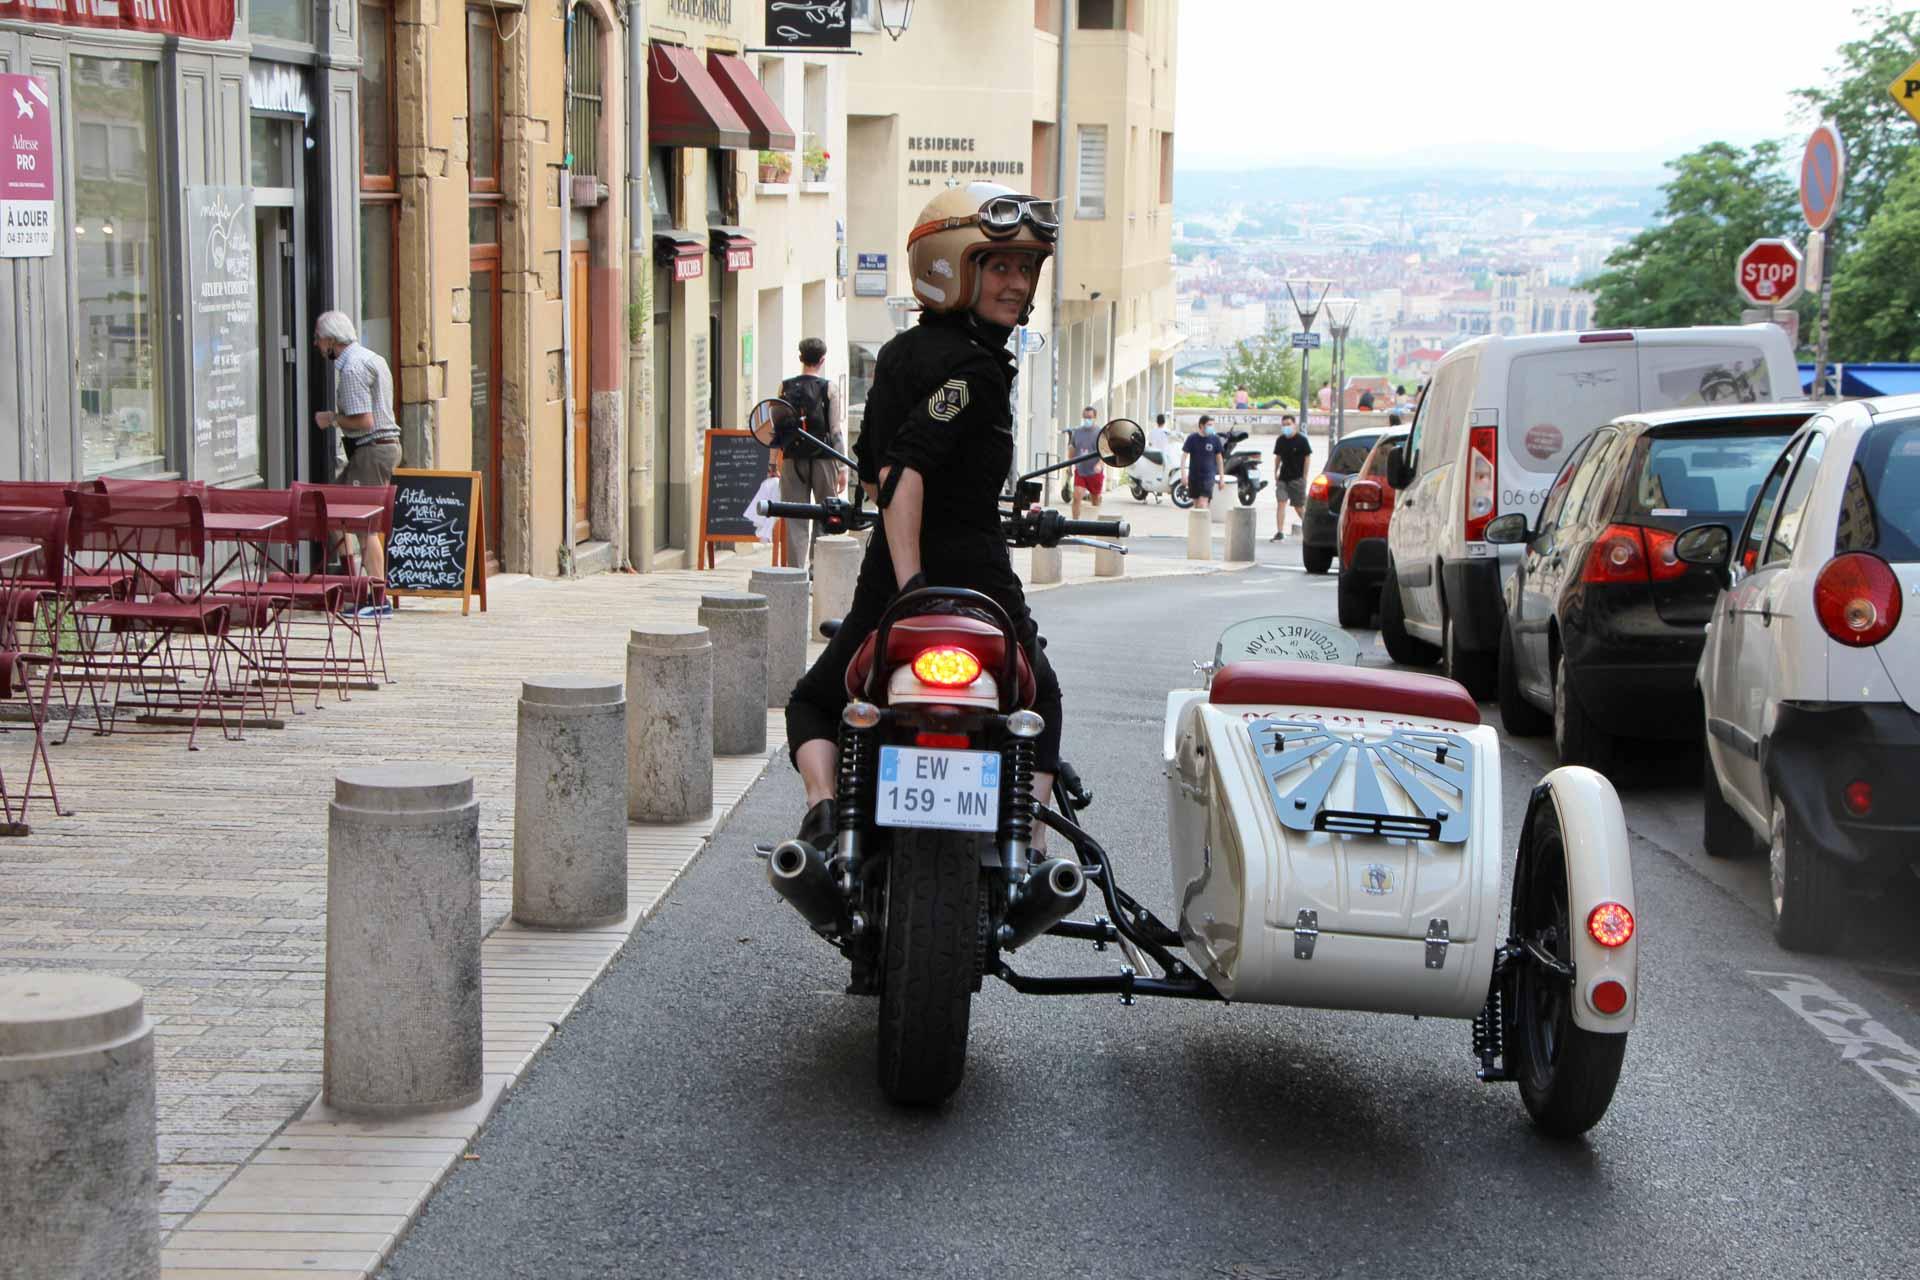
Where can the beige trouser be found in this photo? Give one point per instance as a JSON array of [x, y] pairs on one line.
[[808, 481]]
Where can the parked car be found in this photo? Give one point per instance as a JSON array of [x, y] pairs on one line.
[[1320, 522], [1493, 428], [1363, 534], [1810, 680], [1603, 624]]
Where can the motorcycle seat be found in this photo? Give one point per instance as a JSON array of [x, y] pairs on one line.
[[911, 635], [1318, 684], [1154, 456]]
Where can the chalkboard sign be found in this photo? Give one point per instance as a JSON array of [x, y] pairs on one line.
[[736, 465], [437, 517], [809, 24]]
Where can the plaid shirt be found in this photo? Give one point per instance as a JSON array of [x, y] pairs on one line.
[[362, 383]]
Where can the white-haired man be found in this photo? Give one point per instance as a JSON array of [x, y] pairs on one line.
[[363, 410]]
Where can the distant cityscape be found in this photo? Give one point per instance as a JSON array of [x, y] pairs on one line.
[[1433, 257]]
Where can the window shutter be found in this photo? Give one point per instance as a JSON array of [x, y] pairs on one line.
[[1091, 186]]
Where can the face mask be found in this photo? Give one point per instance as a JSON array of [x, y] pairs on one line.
[[1208, 428], [1289, 430]]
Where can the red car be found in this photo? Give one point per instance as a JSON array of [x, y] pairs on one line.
[[1363, 535]]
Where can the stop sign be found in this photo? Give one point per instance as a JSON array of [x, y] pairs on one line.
[[1768, 273]]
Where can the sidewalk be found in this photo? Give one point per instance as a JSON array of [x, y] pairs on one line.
[[202, 878]]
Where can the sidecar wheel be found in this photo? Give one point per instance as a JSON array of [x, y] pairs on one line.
[[929, 964], [1566, 1074]]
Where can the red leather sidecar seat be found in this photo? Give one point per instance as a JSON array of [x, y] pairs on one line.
[[1321, 684], [910, 635]]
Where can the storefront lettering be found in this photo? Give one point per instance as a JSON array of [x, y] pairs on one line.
[[715, 11], [198, 19]]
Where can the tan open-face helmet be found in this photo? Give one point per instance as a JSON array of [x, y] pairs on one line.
[[960, 226]]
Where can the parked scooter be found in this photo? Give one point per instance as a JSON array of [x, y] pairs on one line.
[[1243, 469], [1157, 475]]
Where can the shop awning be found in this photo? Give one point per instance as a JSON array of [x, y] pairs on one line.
[[767, 129], [685, 252], [734, 247], [685, 107]]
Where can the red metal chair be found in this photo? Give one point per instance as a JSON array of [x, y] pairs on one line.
[[311, 608], [25, 677], [360, 589]]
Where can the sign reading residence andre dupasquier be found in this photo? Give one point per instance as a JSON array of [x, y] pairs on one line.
[[225, 332], [934, 156], [198, 19], [26, 168]]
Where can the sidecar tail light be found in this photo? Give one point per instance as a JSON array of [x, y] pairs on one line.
[[1608, 997], [946, 667], [1610, 924]]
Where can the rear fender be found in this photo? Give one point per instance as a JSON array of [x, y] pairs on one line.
[[1594, 834]]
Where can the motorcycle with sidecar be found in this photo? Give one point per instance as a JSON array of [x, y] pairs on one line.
[[1334, 831]]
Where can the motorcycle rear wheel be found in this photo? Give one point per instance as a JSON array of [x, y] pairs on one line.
[[930, 958], [1247, 494], [1181, 498]]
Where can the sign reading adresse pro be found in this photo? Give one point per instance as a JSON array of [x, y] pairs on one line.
[[26, 168]]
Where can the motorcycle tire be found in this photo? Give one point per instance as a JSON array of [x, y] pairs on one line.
[[1566, 1074], [1138, 490], [929, 964], [1401, 646], [1247, 494], [1181, 498]]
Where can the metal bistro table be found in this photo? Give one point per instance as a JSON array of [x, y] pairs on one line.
[[14, 662], [259, 615]]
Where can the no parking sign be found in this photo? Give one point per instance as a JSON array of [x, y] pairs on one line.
[[1823, 174]]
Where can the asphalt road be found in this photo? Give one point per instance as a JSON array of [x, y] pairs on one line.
[[710, 1108]]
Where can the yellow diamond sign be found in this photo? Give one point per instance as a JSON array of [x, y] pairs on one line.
[[1906, 90]]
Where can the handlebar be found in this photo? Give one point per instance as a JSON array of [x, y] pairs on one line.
[[1094, 529], [835, 515]]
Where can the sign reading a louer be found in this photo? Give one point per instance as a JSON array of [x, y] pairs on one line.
[[26, 168]]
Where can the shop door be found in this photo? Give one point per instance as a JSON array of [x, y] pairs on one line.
[[484, 337], [664, 526], [276, 268], [582, 303]]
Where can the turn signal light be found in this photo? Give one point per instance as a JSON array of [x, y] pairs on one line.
[[1857, 599], [1317, 491], [1363, 495], [1610, 924], [1609, 997], [946, 667], [1858, 797]]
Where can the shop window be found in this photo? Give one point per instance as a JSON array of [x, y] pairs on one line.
[[379, 197], [118, 269], [376, 94], [1090, 186], [663, 186], [723, 190], [1103, 15], [274, 144], [583, 94], [282, 19], [860, 16], [813, 142], [483, 101]]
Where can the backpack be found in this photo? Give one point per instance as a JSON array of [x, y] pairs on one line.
[[808, 395]]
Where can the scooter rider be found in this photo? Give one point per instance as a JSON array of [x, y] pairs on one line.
[[936, 446]]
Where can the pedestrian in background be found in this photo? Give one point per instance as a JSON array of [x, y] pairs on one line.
[[1241, 400], [1203, 462], [1291, 453], [1366, 400], [1089, 477], [363, 410], [807, 474]]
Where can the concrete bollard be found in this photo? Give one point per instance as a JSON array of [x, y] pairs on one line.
[[1240, 536], [1108, 564], [670, 723], [79, 1183], [836, 568], [403, 940], [570, 803], [1223, 501], [737, 624], [1048, 566], [1199, 535], [786, 592]]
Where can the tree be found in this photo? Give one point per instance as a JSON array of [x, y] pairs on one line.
[[1880, 137], [1265, 366], [1876, 294], [1720, 199]]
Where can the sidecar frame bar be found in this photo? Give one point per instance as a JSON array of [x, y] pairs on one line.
[[1125, 984]]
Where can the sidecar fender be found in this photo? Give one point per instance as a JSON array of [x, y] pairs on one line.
[[1594, 834]]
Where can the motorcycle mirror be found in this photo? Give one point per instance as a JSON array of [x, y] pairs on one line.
[[1122, 441], [771, 419]]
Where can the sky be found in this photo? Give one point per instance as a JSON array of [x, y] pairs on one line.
[[1393, 83]]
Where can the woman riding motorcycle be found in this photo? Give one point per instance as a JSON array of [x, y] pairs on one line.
[[936, 446]]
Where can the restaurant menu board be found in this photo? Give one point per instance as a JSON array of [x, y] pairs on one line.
[[736, 463], [433, 551], [225, 330]]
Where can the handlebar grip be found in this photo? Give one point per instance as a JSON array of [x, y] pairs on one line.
[[793, 511], [1093, 528]]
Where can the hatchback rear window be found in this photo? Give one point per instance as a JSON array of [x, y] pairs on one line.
[[1880, 507], [1349, 454], [1703, 477]]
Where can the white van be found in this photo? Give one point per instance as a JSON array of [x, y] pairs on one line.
[[1499, 416]]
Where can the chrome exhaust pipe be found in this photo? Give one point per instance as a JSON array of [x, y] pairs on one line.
[[799, 874], [1051, 892]]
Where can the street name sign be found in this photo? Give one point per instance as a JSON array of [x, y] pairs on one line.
[[1306, 342], [1767, 274], [1823, 175], [1906, 90], [26, 168]]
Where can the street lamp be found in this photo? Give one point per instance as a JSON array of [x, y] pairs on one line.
[[894, 16], [1307, 295], [1339, 321]]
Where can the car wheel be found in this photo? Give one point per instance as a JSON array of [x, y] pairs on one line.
[[1139, 491], [1521, 717], [1576, 739], [1401, 646], [1472, 671], [1316, 559], [1357, 600], [1806, 883], [1725, 834]]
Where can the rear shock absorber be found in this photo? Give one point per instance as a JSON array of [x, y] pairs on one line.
[[850, 800], [1018, 834]]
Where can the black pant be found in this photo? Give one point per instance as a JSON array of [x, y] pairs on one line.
[[813, 710]]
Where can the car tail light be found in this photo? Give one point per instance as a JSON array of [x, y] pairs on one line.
[[1363, 495], [946, 667], [951, 741], [1665, 565], [1610, 924], [1858, 798], [1618, 335], [1857, 599], [1618, 555], [1482, 480], [1609, 996], [1317, 491]]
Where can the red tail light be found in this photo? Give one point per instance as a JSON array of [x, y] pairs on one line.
[[1609, 997], [1610, 924], [949, 741], [946, 667], [1857, 599], [1482, 479], [1859, 798], [1628, 553], [1317, 491], [1363, 495], [1621, 335], [1661, 559]]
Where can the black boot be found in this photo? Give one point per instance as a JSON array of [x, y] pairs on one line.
[[819, 828]]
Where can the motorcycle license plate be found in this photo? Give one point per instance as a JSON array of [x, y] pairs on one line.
[[949, 790]]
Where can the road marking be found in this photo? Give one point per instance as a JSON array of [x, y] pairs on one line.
[[1862, 1038]]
